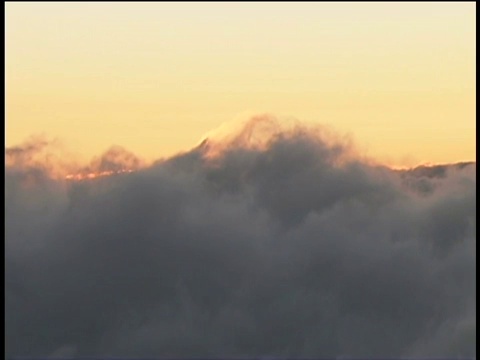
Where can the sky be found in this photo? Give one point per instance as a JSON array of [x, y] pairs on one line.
[[156, 77]]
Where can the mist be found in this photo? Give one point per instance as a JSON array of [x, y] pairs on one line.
[[291, 245]]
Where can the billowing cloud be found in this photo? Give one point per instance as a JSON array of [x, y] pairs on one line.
[[293, 246]]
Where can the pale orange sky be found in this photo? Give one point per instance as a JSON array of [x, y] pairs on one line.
[[155, 77]]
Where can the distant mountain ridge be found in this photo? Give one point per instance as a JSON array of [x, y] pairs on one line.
[[432, 171]]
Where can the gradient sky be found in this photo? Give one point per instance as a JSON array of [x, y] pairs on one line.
[[155, 77]]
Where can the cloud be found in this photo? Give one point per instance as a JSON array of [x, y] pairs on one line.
[[116, 158], [297, 247]]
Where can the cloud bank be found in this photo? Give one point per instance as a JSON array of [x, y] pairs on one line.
[[291, 246]]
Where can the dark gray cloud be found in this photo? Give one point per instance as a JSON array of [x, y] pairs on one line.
[[291, 249]]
